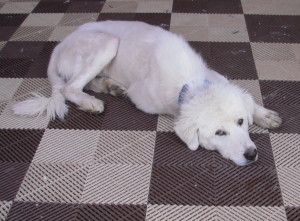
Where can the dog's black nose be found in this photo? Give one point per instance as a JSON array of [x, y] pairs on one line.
[[250, 154]]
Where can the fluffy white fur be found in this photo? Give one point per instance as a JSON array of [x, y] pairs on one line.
[[154, 66]]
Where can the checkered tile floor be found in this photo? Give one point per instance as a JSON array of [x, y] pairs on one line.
[[128, 165]]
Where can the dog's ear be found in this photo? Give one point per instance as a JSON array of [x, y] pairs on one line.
[[188, 134], [189, 90], [184, 95], [249, 105]]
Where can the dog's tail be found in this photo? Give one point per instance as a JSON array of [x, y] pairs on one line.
[[38, 104]]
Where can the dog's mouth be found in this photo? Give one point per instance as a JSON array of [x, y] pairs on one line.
[[247, 162], [252, 161]]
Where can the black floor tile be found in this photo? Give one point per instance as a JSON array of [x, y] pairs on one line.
[[274, 29], [11, 176], [208, 6], [19, 145], [33, 211]]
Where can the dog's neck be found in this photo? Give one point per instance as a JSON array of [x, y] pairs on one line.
[[194, 87]]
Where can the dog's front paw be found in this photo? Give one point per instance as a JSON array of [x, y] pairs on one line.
[[93, 105], [193, 145], [272, 120], [267, 118]]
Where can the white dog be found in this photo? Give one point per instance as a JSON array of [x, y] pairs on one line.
[[161, 75]]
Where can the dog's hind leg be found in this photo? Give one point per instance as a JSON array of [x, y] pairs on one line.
[[266, 118], [106, 85], [92, 60]]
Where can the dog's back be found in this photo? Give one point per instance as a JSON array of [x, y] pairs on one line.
[[152, 63]]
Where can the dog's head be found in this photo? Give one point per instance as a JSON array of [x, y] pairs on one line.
[[217, 117]]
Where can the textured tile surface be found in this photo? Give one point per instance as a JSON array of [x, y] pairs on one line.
[[45, 182], [290, 187], [286, 150], [125, 147], [4, 209], [44, 211], [17, 7], [11, 174], [111, 212], [173, 212], [203, 6], [67, 146], [271, 7], [210, 27], [9, 87], [292, 213], [19, 145], [117, 183], [127, 165]]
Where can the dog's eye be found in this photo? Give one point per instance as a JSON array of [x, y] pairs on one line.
[[240, 122], [220, 133]]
